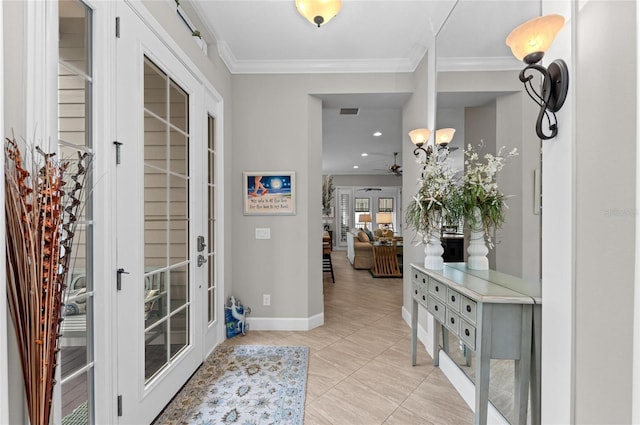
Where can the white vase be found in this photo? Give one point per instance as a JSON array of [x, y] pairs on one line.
[[477, 248], [433, 251]]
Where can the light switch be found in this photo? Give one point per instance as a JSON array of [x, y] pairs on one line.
[[263, 233]]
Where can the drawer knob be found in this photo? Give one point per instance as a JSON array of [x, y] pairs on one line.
[[424, 298], [415, 291], [424, 280], [468, 308], [437, 288], [416, 275], [435, 307], [466, 332], [453, 298], [453, 321]]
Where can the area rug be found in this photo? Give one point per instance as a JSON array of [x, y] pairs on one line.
[[244, 384]]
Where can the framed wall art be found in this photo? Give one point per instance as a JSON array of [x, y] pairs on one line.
[[269, 193]]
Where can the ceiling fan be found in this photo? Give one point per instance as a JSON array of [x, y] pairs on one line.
[[369, 189], [395, 168]]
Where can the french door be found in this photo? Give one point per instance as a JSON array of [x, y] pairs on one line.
[[162, 222]]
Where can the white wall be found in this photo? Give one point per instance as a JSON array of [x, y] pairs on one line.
[[589, 220], [605, 216]]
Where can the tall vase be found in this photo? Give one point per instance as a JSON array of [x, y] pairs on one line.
[[477, 248], [433, 249]]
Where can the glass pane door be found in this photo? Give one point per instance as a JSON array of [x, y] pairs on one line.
[[166, 219]]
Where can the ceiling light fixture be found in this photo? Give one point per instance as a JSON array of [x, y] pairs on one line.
[[318, 12], [364, 154], [528, 43], [377, 134]]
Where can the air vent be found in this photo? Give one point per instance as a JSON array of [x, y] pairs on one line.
[[349, 111]]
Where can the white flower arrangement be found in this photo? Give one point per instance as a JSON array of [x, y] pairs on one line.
[[430, 207], [480, 190]]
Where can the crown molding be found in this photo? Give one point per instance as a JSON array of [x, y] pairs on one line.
[[238, 66], [498, 63]]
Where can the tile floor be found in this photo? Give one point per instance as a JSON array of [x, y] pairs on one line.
[[360, 360]]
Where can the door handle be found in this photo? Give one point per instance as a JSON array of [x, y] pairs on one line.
[[201, 260], [201, 244]]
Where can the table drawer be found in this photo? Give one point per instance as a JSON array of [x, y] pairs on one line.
[[437, 308], [437, 289], [468, 309], [415, 288], [468, 334], [423, 292], [452, 321], [453, 299]]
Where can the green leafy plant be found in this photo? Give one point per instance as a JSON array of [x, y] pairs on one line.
[[434, 204], [480, 190]]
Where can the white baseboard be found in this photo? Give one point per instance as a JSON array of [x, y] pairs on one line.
[[284, 323], [454, 374]]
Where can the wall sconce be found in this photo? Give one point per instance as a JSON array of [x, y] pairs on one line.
[[318, 12], [444, 136], [528, 43], [420, 136]]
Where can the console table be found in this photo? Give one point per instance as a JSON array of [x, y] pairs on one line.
[[493, 315]]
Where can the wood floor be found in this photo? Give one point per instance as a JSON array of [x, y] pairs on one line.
[[359, 364]]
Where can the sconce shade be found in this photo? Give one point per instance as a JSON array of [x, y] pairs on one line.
[[318, 12], [529, 41], [364, 218], [444, 136], [384, 218], [419, 136]]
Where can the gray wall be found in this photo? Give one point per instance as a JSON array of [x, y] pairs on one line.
[[417, 113], [277, 126], [605, 210]]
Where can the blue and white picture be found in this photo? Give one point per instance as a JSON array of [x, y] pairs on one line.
[[269, 192]]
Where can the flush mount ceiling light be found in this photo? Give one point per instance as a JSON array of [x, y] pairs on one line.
[[318, 12], [528, 43]]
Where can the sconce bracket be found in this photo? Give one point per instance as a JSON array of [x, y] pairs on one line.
[[551, 97], [559, 76]]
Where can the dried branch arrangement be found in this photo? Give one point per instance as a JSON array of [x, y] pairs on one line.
[[40, 223]]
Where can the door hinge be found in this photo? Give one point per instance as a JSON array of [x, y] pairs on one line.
[[119, 274], [117, 144], [120, 405], [117, 27]]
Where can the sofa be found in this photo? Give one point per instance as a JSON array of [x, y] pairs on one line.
[[359, 250]]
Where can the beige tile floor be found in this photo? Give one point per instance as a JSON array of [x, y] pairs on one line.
[[360, 360]]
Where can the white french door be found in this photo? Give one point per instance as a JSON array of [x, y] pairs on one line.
[[161, 195]]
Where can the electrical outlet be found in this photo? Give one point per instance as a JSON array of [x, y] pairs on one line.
[[266, 299]]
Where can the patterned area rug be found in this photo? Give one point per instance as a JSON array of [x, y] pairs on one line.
[[244, 384]]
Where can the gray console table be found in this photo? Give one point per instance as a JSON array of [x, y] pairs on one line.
[[493, 315]]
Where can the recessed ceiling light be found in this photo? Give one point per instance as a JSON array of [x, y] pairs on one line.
[[364, 154], [377, 134], [355, 166]]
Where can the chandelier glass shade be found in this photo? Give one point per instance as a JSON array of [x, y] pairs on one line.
[[318, 12]]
